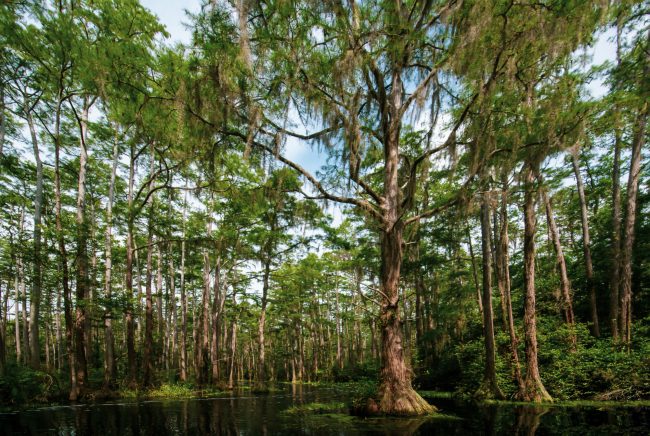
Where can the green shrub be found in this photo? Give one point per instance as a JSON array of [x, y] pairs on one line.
[[21, 385]]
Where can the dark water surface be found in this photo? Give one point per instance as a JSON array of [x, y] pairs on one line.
[[247, 414]]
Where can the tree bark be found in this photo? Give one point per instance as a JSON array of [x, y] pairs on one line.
[[82, 255], [233, 343], [35, 297], [3, 122], [2, 332], [148, 321], [203, 336], [503, 263], [261, 370], [474, 272], [489, 387], [129, 315], [589, 269], [396, 396], [565, 285], [616, 207], [217, 310], [63, 256], [533, 389], [638, 141], [183, 339], [110, 368]]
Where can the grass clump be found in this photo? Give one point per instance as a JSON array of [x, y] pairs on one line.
[[315, 408], [171, 391]]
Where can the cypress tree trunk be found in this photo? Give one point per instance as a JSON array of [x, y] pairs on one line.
[[261, 385], [110, 368], [35, 297], [129, 315], [3, 123], [489, 387], [82, 255], [233, 344], [565, 286], [533, 389], [503, 263], [183, 339], [63, 256], [638, 141], [17, 312], [217, 310], [616, 207], [160, 351], [148, 321], [147, 363], [589, 269], [474, 272], [203, 335], [498, 272]]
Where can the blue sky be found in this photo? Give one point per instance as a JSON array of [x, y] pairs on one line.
[[172, 14]]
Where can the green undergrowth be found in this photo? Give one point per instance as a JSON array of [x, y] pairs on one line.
[[316, 408], [171, 391], [436, 394]]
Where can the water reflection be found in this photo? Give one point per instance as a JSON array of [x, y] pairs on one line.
[[248, 414]]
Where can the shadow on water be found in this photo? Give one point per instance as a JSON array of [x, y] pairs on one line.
[[246, 413]]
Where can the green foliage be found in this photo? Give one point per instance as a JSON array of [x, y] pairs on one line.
[[22, 385], [597, 369], [357, 372], [310, 408]]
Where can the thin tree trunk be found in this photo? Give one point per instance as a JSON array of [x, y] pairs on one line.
[[183, 341], [638, 141], [489, 387], [339, 352], [3, 122], [17, 317], [110, 368], [63, 257], [148, 322], [159, 307], [589, 269], [475, 272], [82, 255], [23, 296], [565, 285], [233, 343], [2, 332], [498, 272], [129, 315], [172, 307], [616, 207], [35, 297], [533, 389], [503, 263], [261, 371], [217, 308], [203, 336]]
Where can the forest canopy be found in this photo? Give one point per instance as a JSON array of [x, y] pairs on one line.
[[473, 215]]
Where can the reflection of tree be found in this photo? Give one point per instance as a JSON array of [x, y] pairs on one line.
[[397, 426], [528, 419]]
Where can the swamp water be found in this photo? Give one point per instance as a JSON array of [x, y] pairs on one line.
[[244, 413]]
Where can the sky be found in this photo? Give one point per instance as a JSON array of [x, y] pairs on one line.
[[171, 13]]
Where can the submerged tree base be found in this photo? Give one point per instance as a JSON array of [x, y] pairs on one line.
[[400, 400], [534, 391], [489, 390]]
